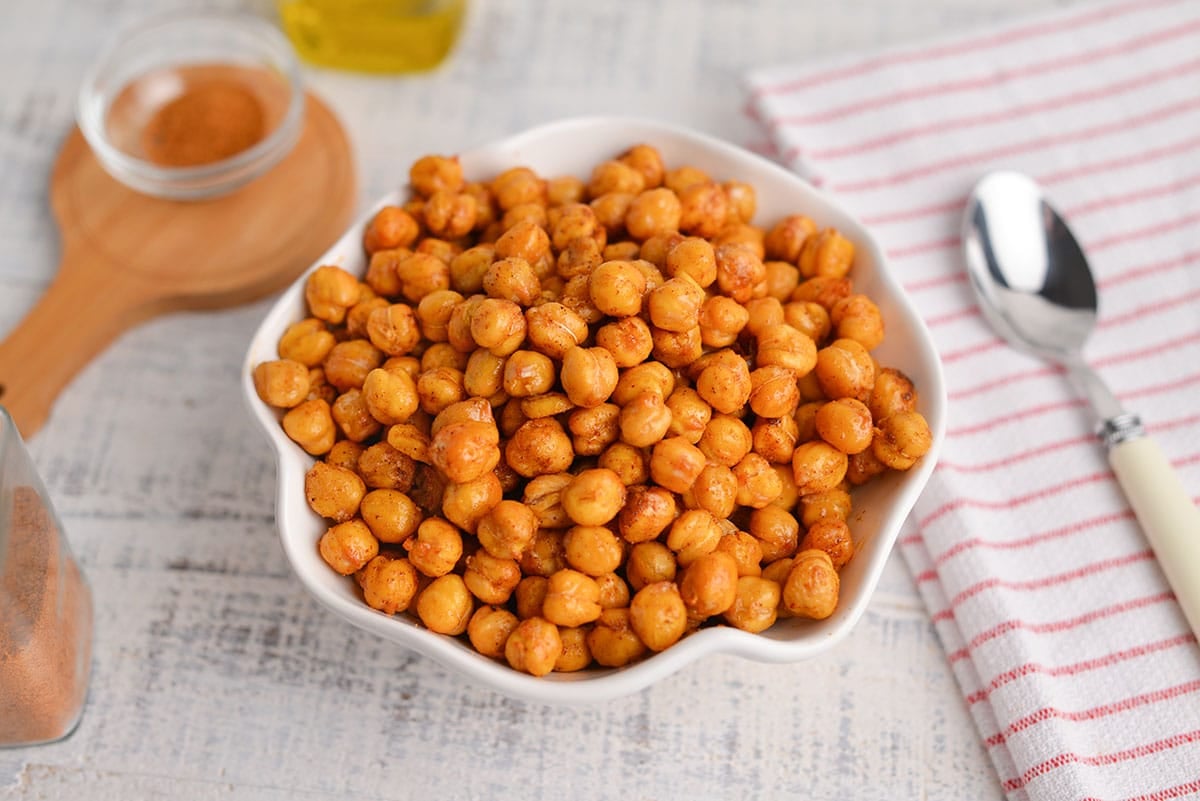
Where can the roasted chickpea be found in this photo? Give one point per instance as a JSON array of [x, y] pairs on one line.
[[709, 585], [811, 587], [579, 258], [646, 514], [307, 342], [681, 178], [827, 254], [468, 268], [612, 640], [564, 190], [390, 396], [531, 596], [420, 274], [833, 537], [615, 176], [784, 346], [676, 463], [553, 329], [806, 420], [648, 377], [830, 505], [445, 605], [546, 555], [391, 227], [758, 483], [611, 209], [621, 251], [594, 497], [715, 491], [543, 497], [646, 160], [575, 652], [436, 547], [516, 186], [507, 530], [703, 209], [528, 373], [690, 414], [439, 388], [745, 550], [900, 439], [845, 424], [344, 454], [628, 340], [823, 290], [449, 215], [740, 272], [330, 292], [333, 492], [765, 313], [776, 531], [775, 439], [748, 236], [818, 466], [782, 280], [548, 404], [658, 615], [431, 174], [390, 514], [677, 350], [644, 420], [809, 318], [533, 647], [614, 592], [773, 392], [593, 550], [348, 363], [693, 534], [786, 240], [654, 211], [616, 288], [512, 279], [282, 383], [649, 562], [440, 249], [675, 306], [572, 599], [725, 440], [383, 467], [594, 429], [489, 629], [629, 463], [655, 249], [893, 392], [491, 579], [348, 546], [755, 604], [539, 447], [465, 451], [726, 385], [388, 584], [393, 330], [844, 369], [534, 213], [857, 317], [721, 320], [777, 572], [589, 376], [353, 418], [498, 325]]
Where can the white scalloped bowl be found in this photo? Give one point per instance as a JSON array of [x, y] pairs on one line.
[[573, 147]]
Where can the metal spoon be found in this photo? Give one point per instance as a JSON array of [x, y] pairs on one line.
[[1034, 286]]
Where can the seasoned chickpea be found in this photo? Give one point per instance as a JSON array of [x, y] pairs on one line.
[[844, 369], [348, 546], [616, 288], [612, 640], [465, 451], [575, 652], [655, 249], [543, 497], [784, 346], [383, 467], [777, 572], [775, 439], [531, 596], [440, 249], [333, 492], [310, 425], [832, 537], [725, 440], [526, 240], [681, 178], [539, 447], [528, 373], [648, 377], [420, 274], [614, 592], [307, 342], [828, 253], [806, 420], [390, 396], [721, 320], [468, 268], [646, 514], [715, 491], [330, 292], [857, 317], [774, 392], [755, 604], [534, 213], [658, 615], [893, 392], [589, 376], [507, 529], [654, 211], [546, 555], [690, 414], [572, 599], [782, 280], [442, 354], [900, 439], [676, 463], [445, 605], [283, 383], [388, 584], [845, 424], [594, 497], [458, 330], [809, 318], [434, 312], [534, 647], [629, 463], [490, 579], [348, 363], [439, 388], [649, 562], [575, 221], [547, 404], [553, 329], [564, 190], [765, 313], [811, 587], [449, 215], [622, 251], [818, 466], [489, 629], [579, 258], [390, 514], [344, 454], [646, 160], [498, 325], [593, 550], [726, 385], [516, 186], [594, 429], [776, 531], [436, 547], [758, 483], [484, 376], [740, 272], [786, 240], [615, 176], [745, 550], [611, 209], [393, 330], [823, 290], [863, 467], [644, 420], [827, 506], [703, 209], [693, 534], [512, 279], [675, 306], [709, 585], [391, 227], [748, 236], [431, 174], [628, 340]]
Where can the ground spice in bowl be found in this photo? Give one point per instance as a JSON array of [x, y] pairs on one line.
[[208, 122], [45, 625]]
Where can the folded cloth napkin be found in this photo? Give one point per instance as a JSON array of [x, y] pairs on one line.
[[1077, 665]]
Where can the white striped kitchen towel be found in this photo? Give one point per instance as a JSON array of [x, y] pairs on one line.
[[1076, 663]]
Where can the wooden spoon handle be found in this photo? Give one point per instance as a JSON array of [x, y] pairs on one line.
[[76, 318]]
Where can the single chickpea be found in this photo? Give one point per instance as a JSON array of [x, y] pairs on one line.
[[439, 388], [745, 550], [531, 596], [755, 604], [644, 420], [739, 272], [539, 447], [833, 537], [485, 204], [330, 292], [390, 514], [709, 585], [579, 258], [593, 550], [658, 615], [818, 466], [516, 186], [901, 439], [742, 201], [449, 215], [725, 440], [393, 330], [572, 599], [344, 454], [445, 605], [307, 342], [827, 254], [655, 249], [715, 491], [675, 306], [458, 330], [498, 325], [428, 488], [721, 320], [784, 346], [620, 251], [628, 340], [775, 439], [465, 451], [830, 505], [442, 354], [553, 329], [612, 640], [857, 317], [806, 420], [507, 530], [576, 298], [782, 280], [575, 654], [614, 176], [893, 392], [681, 178], [333, 492], [490, 579], [646, 160], [435, 548], [546, 555], [629, 463], [611, 209], [475, 410], [809, 318], [777, 571], [614, 592], [525, 240], [725, 386], [575, 221], [484, 376], [693, 534], [388, 584], [649, 562], [593, 497], [383, 467], [348, 363], [548, 404], [776, 531], [564, 190], [786, 240], [353, 418], [431, 174], [512, 279], [823, 290], [528, 373], [758, 483], [440, 249], [646, 514], [434, 311], [811, 587], [390, 396], [690, 414], [693, 257], [282, 383], [489, 629], [844, 369], [845, 424], [676, 463], [810, 388], [468, 268], [863, 467], [765, 313], [748, 236], [703, 209], [543, 496], [616, 288], [534, 213], [347, 547], [589, 376], [774, 392], [654, 211], [594, 429], [410, 440], [641, 378], [391, 227], [420, 274]]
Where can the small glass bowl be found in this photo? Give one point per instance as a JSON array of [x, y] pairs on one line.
[[154, 62]]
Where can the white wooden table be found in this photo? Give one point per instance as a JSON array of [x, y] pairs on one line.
[[217, 677]]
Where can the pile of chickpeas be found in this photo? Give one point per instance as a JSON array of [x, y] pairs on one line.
[[575, 421]]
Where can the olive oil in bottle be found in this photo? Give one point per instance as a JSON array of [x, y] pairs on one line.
[[382, 36]]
